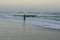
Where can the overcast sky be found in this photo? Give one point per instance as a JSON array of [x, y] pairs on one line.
[[30, 4]]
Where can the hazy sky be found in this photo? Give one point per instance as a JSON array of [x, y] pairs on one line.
[[30, 4]]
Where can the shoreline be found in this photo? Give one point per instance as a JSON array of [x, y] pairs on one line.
[[47, 28], [17, 31], [37, 26]]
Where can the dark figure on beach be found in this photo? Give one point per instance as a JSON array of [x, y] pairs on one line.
[[24, 18]]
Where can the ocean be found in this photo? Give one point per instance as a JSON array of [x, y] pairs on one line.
[[47, 19]]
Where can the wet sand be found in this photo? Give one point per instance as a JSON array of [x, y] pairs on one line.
[[18, 31]]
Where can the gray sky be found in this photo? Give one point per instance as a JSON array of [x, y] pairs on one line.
[[42, 5]]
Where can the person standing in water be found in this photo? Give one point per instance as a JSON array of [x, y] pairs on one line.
[[24, 18]]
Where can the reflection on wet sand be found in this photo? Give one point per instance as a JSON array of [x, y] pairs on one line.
[[19, 31]]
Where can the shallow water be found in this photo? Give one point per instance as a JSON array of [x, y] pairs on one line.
[[50, 20]]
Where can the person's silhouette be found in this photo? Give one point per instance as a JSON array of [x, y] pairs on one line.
[[24, 18]]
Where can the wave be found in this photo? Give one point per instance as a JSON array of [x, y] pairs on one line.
[[48, 20]]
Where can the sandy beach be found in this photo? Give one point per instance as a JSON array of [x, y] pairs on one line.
[[17, 31]]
